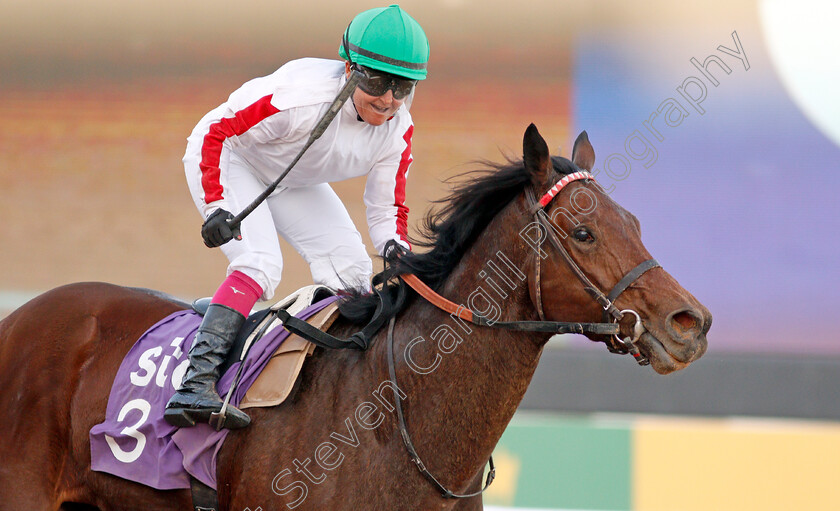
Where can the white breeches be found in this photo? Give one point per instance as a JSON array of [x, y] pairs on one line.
[[312, 219]]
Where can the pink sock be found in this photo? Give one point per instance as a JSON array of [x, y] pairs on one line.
[[239, 292]]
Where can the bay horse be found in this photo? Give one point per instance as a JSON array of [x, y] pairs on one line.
[[336, 442]]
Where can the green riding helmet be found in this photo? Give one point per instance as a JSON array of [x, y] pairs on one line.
[[387, 39]]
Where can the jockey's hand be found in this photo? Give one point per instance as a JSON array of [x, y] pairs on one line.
[[394, 250], [216, 231]]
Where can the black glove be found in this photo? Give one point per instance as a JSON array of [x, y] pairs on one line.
[[394, 250], [216, 230]]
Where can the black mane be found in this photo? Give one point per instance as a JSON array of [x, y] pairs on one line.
[[476, 198]]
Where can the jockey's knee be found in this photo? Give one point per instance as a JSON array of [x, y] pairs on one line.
[[341, 272], [266, 273]]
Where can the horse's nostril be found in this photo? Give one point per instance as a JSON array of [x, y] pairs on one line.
[[687, 323], [685, 320]]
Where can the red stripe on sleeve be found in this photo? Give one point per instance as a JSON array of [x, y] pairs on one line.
[[399, 189], [211, 149]]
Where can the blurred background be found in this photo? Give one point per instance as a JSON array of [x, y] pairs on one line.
[[715, 122]]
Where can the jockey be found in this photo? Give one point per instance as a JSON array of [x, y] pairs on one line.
[[240, 147]]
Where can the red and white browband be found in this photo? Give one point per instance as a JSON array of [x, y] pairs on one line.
[[568, 178]]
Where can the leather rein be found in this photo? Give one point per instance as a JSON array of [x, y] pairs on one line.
[[609, 329], [612, 315]]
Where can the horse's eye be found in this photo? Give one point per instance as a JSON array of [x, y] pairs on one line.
[[582, 234]]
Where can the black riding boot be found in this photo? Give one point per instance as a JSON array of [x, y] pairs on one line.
[[197, 398]]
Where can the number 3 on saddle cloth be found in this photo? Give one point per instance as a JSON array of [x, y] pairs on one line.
[[136, 443]]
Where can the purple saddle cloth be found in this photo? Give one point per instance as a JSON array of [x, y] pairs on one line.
[[134, 442]]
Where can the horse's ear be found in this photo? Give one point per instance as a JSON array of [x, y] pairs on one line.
[[582, 154], [535, 154]]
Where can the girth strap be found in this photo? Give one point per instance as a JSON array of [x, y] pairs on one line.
[[204, 498]]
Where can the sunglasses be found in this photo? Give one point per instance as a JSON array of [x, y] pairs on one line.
[[377, 83]]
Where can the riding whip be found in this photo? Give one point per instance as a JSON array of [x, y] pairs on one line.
[[320, 128]]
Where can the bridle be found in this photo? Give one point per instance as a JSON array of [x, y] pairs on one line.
[[615, 344], [608, 330]]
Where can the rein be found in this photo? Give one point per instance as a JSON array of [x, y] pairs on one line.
[[552, 327], [609, 329], [409, 445]]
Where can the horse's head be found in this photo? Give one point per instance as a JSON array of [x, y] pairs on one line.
[[604, 241]]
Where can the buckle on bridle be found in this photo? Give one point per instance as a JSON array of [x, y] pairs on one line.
[[628, 343]]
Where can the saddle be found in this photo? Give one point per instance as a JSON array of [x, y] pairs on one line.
[[275, 382]]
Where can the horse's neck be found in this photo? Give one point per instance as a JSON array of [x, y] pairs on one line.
[[464, 382]]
